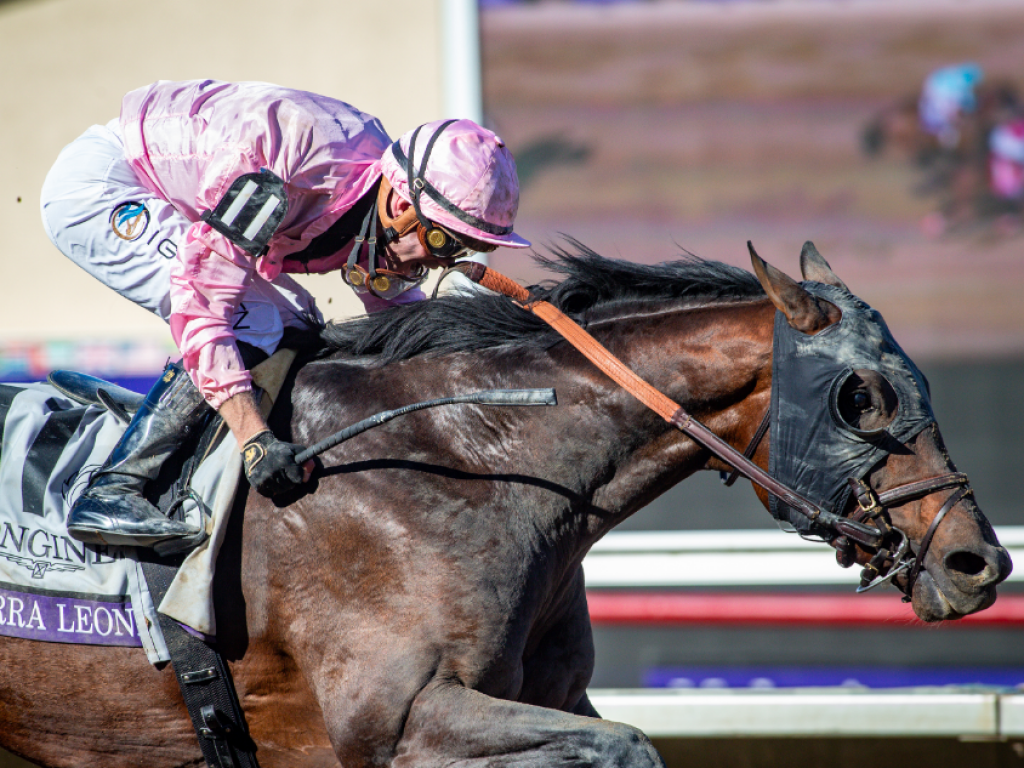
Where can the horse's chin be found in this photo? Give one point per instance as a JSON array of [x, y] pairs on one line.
[[933, 604]]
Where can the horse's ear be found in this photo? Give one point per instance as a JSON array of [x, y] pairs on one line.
[[814, 267], [803, 311]]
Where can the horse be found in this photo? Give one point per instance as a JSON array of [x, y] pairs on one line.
[[955, 170], [422, 601]]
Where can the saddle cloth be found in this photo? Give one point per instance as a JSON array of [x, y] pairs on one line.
[[54, 588]]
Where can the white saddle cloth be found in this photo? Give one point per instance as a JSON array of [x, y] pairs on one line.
[[55, 589]]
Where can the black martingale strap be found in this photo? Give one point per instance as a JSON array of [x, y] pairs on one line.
[[205, 682], [751, 447], [251, 211]]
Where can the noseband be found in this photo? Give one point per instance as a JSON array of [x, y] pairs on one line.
[[893, 554], [870, 526]]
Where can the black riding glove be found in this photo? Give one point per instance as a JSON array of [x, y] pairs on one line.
[[270, 464]]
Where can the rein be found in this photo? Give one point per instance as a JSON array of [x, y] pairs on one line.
[[889, 560]]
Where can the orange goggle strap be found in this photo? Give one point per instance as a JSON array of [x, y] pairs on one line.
[[394, 228], [406, 221]]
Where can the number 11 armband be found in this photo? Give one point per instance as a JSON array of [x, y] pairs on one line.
[[251, 211]]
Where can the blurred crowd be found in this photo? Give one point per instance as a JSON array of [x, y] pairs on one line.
[[966, 132]]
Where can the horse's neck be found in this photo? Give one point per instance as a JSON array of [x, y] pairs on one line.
[[571, 473], [714, 361]]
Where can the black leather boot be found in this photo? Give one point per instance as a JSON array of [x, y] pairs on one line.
[[112, 510]]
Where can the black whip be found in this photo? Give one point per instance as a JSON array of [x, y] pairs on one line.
[[486, 397]]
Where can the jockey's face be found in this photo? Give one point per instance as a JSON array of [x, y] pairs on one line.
[[407, 251]]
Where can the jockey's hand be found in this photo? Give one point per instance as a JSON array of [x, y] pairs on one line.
[[270, 464]]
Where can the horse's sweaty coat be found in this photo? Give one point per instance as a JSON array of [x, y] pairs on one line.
[[423, 603]]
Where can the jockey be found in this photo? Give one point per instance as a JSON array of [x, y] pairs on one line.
[[197, 204], [1006, 160], [948, 94]]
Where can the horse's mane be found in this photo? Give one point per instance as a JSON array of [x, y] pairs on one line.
[[593, 287]]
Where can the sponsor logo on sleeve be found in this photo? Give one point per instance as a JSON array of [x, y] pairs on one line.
[[129, 220]]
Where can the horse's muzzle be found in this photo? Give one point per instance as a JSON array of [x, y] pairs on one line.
[[964, 583], [970, 570]]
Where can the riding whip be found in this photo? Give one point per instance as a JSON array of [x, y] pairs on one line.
[[484, 397]]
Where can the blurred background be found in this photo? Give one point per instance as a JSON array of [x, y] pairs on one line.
[[649, 129], [888, 133]]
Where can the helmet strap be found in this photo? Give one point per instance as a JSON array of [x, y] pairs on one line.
[[414, 176]]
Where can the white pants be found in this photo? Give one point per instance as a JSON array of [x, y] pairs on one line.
[[100, 216]]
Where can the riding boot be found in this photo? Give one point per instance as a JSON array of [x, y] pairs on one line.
[[112, 510]]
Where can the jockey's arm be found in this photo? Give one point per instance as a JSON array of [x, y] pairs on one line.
[[207, 285], [243, 417]]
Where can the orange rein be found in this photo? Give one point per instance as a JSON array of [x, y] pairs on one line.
[[658, 402]]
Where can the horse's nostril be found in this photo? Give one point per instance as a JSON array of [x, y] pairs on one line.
[[967, 563]]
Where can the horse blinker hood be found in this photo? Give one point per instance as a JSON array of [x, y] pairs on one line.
[[812, 447]]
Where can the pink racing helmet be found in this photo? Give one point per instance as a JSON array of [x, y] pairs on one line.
[[459, 175]]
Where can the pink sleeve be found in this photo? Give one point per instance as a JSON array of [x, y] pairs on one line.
[[376, 304], [206, 286]]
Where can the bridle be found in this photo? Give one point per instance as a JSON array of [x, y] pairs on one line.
[[870, 526], [893, 554], [891, 560]]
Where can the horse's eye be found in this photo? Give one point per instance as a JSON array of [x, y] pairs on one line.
[[863, 402]]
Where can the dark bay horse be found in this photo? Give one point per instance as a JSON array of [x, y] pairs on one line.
[[423, 604]]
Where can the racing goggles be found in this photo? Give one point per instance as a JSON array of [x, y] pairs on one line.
[[376, 279], [382, 283]]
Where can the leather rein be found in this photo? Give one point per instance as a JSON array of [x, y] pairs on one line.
[[892, 552]]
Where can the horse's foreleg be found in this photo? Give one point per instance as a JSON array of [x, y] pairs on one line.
[[449, 725]]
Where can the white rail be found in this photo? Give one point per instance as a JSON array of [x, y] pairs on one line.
[[731, 558], [934, 712]]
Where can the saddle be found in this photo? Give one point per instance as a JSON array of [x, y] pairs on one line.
[[202, 674], [89, 390]]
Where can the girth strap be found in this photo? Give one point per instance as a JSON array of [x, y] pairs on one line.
[[205, 681]]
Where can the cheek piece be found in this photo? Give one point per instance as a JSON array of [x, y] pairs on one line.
[[377, 279]]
